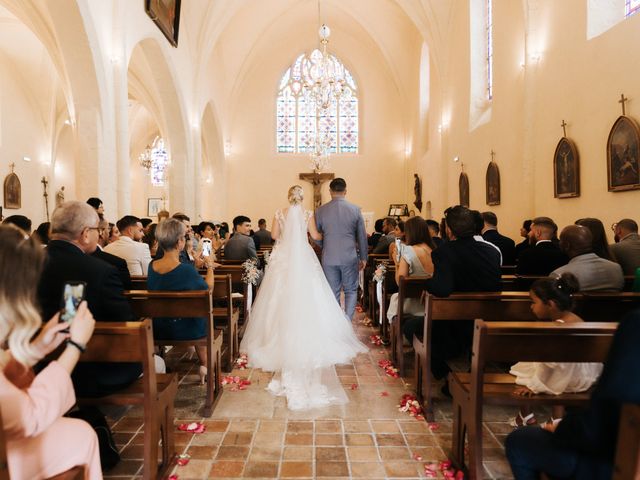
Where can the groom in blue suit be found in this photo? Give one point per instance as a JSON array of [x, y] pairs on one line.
[[344, 244]]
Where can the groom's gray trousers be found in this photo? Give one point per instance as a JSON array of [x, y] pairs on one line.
[[344, 277]]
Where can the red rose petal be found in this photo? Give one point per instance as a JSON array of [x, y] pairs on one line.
[[354, 386], [384, 394]]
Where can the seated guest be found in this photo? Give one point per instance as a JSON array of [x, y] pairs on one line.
[[225, 234], [74, 236], [524, 232], [209, 231], [583, 444], [119, 263], [42, 233], [593, 273], [545, 256], [377, 233], [169, 274], [415, 260], [163, 215], [263, 235], [190, 252], [240, 246], [552, 300], [256, 240], [505, 244], [626, 250], [40, 442], [598, 236], [145, 223], [388, 229], [97, 205], [398, 232], [434, 231], [130, 247], [150, 239], [479, 226], [19, 221], [459, 265], [114, 233]]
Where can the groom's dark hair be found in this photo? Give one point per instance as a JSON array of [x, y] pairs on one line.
[[338, 185]]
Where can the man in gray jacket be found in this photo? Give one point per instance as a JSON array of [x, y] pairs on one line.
[[344, 244], [626, 250], [240, 246]]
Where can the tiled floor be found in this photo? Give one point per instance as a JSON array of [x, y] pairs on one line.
[[253, 435]]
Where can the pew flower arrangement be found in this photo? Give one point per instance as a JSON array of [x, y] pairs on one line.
[[267, 257], [381, 270], [251, 272], [242, 361]]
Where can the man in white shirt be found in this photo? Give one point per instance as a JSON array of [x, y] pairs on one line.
[[129, 245]]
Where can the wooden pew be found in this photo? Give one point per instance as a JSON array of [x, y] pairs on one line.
[[76, 473], [389, 287], [237, 286], [138, 282], [461, 306], [606, 307], [513, 342], [372, 261], [408, 287], [193, 303], [133, 342], [627, 460]]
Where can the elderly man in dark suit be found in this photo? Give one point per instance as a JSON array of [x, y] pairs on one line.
[[74, 236], [545, 256], [505, 244], [240, 246]]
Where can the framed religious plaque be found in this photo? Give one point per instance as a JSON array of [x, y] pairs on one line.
[[463, 189], [623, 147], [493, 184], [154, 205], [12, 192], [566, 170], [166, 15]]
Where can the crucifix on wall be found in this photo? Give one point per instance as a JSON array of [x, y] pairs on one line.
[[316, 179]]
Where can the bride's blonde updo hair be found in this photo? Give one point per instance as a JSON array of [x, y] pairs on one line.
[[296, 195]]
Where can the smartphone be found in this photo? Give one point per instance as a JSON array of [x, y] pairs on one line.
[[72, 295], [206, 247]]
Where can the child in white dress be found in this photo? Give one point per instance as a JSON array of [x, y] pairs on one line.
[[551, 300]]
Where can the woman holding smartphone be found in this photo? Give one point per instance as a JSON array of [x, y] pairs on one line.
[[41, 443]]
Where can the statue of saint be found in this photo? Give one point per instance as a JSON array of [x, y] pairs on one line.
[[60, 197], [417, 190]]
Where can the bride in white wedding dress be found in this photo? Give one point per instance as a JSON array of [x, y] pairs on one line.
[[296, 327]]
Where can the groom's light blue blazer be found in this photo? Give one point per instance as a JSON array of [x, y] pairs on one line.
[[344, 239]]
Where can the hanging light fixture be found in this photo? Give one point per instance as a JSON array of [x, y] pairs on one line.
[[145, 158]]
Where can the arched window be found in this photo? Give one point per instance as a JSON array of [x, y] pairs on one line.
[[159, 162], [631, 7], [296, 120]]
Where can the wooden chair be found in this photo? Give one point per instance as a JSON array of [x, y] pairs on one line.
[[133, 342], [457, 307], [238, 286], [76, 473], [187, 304], [408, 287], [627, 460], [226, 316], [513, 342]]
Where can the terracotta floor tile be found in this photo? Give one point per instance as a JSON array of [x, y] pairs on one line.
[[128, 424], [243, 425], [369, 380], [420, 440], [414, 427], [296, 469], [351, 426], [389, 440], [394, 454], [329, 439], [272, 426], [195, 469], [202, 452], [403, 469], [207, 439], [367, 470], [261, 454], [348, 380], [261, 469], [362, 454], [133, 452], [298, 439], [232, 453], [126, 468], [331, 469], [237, 438], [226, 469], [297, 453], [299, 427], [331, 454], [328, 426], [216, 425], [382, 426], [268, 438], [179, 438], [359, 439]]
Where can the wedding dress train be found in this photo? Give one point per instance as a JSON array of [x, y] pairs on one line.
[[296, 328]]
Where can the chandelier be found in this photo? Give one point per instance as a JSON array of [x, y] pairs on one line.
[[320, 152], [146, 157]]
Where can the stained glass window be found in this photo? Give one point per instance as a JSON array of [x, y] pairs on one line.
[[159, 162], [296, 121], [489, 49], [631, 7]]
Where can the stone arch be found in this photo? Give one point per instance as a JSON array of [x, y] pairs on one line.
[[213, 189]]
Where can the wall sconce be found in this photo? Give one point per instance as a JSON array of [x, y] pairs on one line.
[[26, 159], [227, 149]]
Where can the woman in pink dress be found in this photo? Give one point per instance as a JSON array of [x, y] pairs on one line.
[[40, 442]]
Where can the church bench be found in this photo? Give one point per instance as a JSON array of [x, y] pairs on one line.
[[508, 269], [627, 459], [513, 342], [373, 259], [138, 282], [225, 261], [388, 284], [227, 317], [239, 288], [76, 473], [408, 287], [389, 287], [461, 306], [185, 304], [133, 342], [605, 306]]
